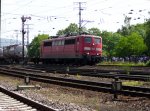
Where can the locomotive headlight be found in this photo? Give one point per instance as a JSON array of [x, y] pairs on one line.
[[88, 53]]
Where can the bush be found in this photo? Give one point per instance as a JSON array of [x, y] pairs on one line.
[[148, 63]]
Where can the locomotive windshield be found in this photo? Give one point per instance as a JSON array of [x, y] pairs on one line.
[[97, 40], [87, 39]]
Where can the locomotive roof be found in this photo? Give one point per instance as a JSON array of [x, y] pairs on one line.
[[68, 37]]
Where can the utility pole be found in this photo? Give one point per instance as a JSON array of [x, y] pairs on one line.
[[80, 17], [23, 32], [27, 34], [80, 9], [27, 28]]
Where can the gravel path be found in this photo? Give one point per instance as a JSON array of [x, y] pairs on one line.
[[71, 99]]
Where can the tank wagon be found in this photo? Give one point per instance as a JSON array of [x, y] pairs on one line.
[[1, 52], [1, 55], [13, 53], [79, 49]]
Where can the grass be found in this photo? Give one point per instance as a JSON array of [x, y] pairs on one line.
[[132, 83], [78, 76], [122, 63], [9, 79]]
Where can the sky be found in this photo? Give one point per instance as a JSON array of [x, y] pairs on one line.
[[49, 16]]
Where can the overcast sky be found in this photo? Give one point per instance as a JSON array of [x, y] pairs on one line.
[[49, 16]]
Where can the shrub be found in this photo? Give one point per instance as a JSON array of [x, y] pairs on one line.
[[148, 63]]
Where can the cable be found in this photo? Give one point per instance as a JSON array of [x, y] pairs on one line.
[[56, 8], [24, 5]]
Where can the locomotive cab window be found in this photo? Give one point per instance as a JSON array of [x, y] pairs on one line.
[[47, 44], [97, 40], [87, 39]]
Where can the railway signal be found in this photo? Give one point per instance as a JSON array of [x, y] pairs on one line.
[[23, 32]]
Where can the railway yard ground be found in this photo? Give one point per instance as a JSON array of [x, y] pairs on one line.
[[74, 99]]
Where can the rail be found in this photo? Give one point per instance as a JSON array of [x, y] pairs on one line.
[[27, 101], [95, 86]]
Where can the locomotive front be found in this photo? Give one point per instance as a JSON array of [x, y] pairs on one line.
[[92, 49]]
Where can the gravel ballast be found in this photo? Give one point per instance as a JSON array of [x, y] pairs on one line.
[[72, 99]]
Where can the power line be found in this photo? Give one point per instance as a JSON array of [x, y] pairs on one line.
[[24, 5], [54, 9]]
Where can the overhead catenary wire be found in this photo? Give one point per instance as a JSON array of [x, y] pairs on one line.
[[24, 5], [64, 14], [61, 13]]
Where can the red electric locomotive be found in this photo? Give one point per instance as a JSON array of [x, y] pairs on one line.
[[83, 49]]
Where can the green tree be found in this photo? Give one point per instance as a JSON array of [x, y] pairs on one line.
[[33, 50], [110, 40], [124, 31], [127, 29], [130, 45], [140, 29], [72, 28], [147, 38], [120, 48], [61, 32], [94, 31], [113, 41], [105, 36], [127, 21]]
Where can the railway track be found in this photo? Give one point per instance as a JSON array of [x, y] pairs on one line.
[[11, 101], [103, 69], [95, 86], [140, 76]]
